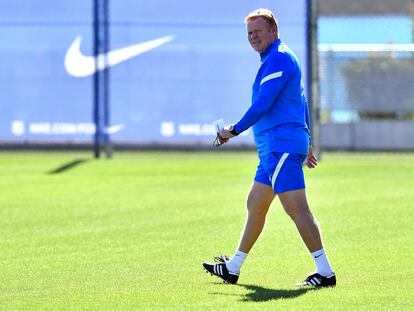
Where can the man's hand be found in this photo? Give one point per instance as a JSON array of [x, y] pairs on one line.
[[223, 137], [225, 134], [311, 161]]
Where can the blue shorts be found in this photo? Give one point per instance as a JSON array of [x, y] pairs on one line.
[[281, 171]]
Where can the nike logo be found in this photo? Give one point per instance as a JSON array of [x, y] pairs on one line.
[[114, 128], [319, 255], [80, 65]]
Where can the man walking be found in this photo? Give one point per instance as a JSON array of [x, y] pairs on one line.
[[280, 120]]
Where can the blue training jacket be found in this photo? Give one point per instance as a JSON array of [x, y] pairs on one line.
[[279, 112]]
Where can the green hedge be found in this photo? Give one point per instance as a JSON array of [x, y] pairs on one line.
[[380, 86]]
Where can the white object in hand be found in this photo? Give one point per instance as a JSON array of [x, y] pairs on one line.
[[218, 125]]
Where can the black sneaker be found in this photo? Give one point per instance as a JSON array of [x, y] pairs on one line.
[[219, 269], [317, 280]]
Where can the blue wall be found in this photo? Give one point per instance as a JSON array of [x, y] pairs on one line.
[[171, 93]]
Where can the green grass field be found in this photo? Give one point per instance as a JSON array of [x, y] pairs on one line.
[[131, 233]]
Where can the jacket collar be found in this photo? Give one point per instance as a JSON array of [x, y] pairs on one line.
[[274, 46]]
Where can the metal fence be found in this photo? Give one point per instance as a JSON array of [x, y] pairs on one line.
[[366, 94], [366, 81]]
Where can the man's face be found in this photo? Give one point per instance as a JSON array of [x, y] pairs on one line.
[[260, 34]]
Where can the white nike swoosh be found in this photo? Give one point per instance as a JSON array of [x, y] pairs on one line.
[[79, 65], [114, 128]]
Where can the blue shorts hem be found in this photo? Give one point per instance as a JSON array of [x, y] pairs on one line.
[[290, 175]]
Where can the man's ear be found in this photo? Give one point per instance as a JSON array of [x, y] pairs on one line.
[[274, 31]]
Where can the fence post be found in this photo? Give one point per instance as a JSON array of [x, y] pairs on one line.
[[101, 77], [313, 71]]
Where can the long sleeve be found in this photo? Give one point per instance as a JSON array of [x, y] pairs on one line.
[[307, 120], [271, 80]]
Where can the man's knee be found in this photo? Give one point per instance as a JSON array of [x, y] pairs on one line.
[[255, 208], [295, 210], [259, 199], [295, 204]]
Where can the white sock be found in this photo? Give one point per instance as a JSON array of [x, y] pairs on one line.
[[235, 262], [323, 267]]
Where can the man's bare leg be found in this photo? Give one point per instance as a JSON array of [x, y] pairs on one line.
[[259, 199], [296, 206]]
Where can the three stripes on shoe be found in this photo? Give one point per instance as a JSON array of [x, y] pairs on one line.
[[218, 269], [314, 281]]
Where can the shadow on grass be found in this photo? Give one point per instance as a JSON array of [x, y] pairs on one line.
[[258, 293], [67, 166], [262, 294]]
